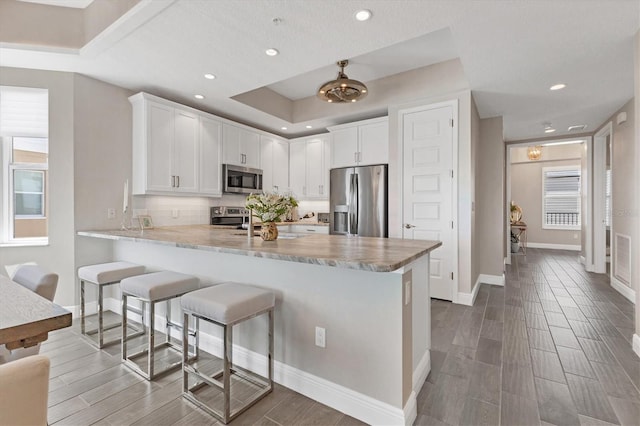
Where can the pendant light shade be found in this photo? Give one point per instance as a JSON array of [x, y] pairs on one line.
[[342, 89]]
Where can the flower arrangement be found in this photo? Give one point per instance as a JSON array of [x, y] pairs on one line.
[[270, 207]]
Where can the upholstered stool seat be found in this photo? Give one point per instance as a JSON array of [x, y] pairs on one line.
[[225, 305], [150, 289], [102, 275]]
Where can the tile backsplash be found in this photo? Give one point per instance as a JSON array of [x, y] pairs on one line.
[[169, 210]]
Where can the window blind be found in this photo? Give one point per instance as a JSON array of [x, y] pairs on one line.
[[24, 111], [561, 197]]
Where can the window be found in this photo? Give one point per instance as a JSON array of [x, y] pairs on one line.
[[561, 197], [24, 152]]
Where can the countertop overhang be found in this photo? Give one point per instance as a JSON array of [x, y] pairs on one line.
[[361, 253]]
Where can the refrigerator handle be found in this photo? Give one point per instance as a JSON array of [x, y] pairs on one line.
[[352, 192], [356, 204]]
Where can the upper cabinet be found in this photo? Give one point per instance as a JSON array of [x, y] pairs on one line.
[[360, 143], [165, 147], [309, 167], [210, 155], [241, 147], [274, 159]]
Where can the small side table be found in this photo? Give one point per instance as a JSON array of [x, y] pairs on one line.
[[521, 229]]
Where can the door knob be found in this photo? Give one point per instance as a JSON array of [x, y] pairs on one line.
[[409, 226]]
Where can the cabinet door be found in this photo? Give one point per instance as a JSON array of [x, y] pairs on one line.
[[160, 129], [374, 143], [344, 147], [250, 149], [315, 168], [210, 157], [297, 168], [280, 165], [266, 159], [185, 152], [231, 148]]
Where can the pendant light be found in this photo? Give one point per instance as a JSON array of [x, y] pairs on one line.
[[342, 89]]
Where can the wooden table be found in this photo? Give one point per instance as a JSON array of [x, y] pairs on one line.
[[521, 227], [27, 318]]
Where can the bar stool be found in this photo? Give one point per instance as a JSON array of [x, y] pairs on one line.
[[226, 305], [102, 275], [150, 289]]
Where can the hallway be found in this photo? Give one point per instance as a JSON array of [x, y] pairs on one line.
[[551, 347]]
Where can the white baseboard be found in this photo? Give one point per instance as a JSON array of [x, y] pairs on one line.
[[583, 260], [572, 247], [636, 344], [421, 372], [621, 288], [355, 404], [469, 298]]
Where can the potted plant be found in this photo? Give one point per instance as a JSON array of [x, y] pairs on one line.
[[515, 242], [269, 208]]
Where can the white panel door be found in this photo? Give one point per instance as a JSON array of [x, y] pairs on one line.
[[160, 147], [428, 191], [210, 157], [185, 152], [374, 143]]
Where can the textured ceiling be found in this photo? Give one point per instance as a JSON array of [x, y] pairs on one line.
[[511, 52]]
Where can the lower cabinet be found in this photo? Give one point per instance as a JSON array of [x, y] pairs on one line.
[[304, 229]]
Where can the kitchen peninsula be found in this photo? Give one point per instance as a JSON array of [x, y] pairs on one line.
[[371, 295]]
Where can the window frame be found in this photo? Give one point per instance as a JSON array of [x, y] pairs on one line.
[[578, 197], [7, 205]]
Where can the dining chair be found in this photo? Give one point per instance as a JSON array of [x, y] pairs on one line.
[[24, 391], [40, 282]]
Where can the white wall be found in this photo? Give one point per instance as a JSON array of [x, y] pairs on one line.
[[58, 256], [490, 204], [636, 254], [624, 217], [526, 190]]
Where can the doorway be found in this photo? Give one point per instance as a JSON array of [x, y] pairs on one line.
[[602, 201]]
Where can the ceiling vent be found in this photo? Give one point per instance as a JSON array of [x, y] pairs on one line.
[[577, 127]]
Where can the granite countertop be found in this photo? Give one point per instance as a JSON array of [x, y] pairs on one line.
[[362, 253]]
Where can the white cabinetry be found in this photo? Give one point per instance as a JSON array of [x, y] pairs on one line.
[[304, 229], [309, 167], [210, 154], [360, 143], [274, 158], [165, 147], [241, 147]]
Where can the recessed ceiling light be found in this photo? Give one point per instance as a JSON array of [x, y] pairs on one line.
[[283, 128], [198, 96], [309, 127], [271, 51], [558, 86], [363, 15], [209, 76]]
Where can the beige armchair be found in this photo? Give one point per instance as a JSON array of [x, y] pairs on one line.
[[24, 391]]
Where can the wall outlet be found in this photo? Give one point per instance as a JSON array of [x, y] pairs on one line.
[[111, 213], [175, 213], [320, 337]]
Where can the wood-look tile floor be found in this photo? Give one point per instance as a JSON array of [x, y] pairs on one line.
[[551, 347]]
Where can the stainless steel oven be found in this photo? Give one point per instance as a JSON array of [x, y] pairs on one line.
[[241, 180]]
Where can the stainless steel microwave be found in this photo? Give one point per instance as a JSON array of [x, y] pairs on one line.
[[241, 180]]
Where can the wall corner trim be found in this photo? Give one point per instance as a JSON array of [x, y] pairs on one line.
[[627, 292], [421, 372], [636, 344], [469, 298]]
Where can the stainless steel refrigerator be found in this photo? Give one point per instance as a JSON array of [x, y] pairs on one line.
[[359, 201]]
